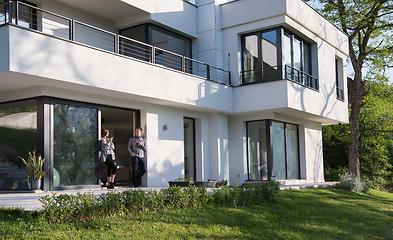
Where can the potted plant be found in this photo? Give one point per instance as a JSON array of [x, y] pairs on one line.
[[222, 183], [181, 182], [209, 183], [34, 169]]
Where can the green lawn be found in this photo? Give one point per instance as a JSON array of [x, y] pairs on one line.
[[298, 214]]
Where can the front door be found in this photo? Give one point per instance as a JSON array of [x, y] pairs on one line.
[[189, 148]]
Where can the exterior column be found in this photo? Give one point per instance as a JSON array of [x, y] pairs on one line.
[[210, 46], [219, 147], [44, 139]]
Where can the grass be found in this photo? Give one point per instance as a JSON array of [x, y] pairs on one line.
[[298, 214]]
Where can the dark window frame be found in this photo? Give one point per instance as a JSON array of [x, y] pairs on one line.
[[194, 146], [260, 56], [269, 147], [148, 34], [281, 68], [339, 80]]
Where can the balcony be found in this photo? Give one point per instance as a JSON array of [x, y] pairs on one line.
[[272, 74], [301, 77], [52, 24]]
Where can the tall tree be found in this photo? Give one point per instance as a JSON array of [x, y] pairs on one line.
[[368, 24]]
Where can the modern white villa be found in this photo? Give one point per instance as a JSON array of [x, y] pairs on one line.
[[224, 90]]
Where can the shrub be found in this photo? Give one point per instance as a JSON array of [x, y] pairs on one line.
[[249, 194], [351, 183], [84, 207]]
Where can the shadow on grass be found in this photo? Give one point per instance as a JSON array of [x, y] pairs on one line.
[[306, 214], [298, 214]]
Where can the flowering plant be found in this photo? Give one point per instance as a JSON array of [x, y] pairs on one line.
[[222, 183]]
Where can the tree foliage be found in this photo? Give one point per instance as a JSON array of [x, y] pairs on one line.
[[368, 24], [376, 139]]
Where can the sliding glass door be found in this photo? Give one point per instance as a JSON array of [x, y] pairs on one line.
[[75, 144], [273, 150]]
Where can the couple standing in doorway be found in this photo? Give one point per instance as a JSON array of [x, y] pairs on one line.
[[136, 147]]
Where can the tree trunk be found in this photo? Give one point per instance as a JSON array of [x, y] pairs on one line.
[[355, 98]]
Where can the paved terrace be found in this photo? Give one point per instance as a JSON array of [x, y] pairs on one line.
[[29, 201]]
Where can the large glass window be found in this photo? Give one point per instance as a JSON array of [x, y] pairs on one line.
[[27, 14], [339, 79], [292, 150], [273, 150], [159, 37], [257, 150], [18, 136], [278, 145], [260, 57], [251, 59], [263, 59], [75, 144]]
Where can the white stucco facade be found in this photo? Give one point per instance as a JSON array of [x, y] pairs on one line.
[[35, 64]]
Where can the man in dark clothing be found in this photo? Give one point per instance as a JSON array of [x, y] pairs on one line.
[[137, 147]]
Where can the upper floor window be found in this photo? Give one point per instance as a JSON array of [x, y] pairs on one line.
[[170, 46], [159, 37], [260, 56], [276, 54], [25, 16], [339, 79]]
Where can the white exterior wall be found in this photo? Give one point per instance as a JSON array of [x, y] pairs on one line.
[[83, 69], [314, 153], [310, 147], [165, 96], [219, 147], [285, 94]]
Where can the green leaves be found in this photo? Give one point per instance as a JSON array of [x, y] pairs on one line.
[[84, 207], [34, 166]]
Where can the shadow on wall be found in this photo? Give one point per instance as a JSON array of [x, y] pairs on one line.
[[317, 160], [160, 174], [215, 95], [329, 97]]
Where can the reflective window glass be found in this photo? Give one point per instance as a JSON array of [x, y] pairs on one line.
[[287, 49], [279, 142], [297, 60], [269, 55], [257, 150], [250, 59], [307, 58], [278, 145], [292, 151], [75, 144], [18, 137]]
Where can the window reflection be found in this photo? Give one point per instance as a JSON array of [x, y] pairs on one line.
[[18, 134], [269, 55], [283, 149], [260, 57], [257, 150], [278, 145], [250, 59], [75, 144]]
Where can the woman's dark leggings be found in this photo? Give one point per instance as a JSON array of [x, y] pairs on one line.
[[112, 168]]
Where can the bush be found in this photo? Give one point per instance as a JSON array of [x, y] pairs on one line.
[[84, 207], [249, 194], [351, 183]]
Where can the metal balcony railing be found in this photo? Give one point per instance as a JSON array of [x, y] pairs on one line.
[[258, 76], [24, 15], [301, 77]]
